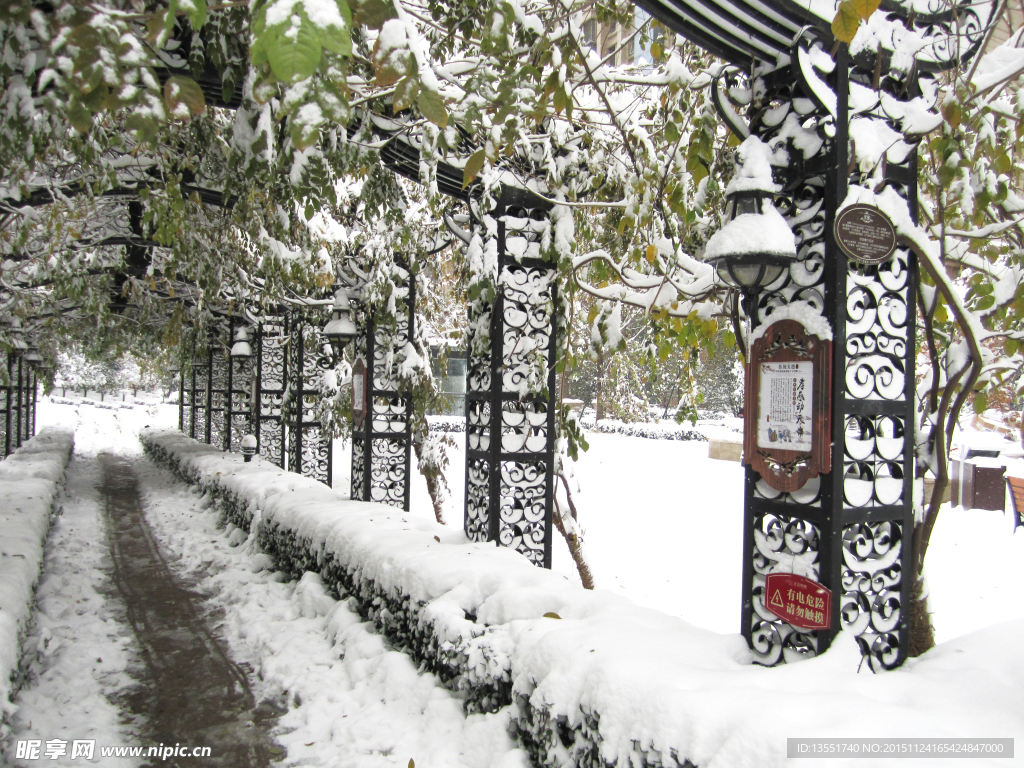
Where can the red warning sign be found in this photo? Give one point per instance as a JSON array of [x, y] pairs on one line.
[[799, 601]]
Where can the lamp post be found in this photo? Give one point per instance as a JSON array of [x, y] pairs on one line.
[[241, 350], [340, 329], [755, 248]]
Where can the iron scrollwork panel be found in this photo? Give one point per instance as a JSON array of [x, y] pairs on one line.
[[200, 403], [219, 394], [271, 389], [788, 545], [240, 401], [872, 582]]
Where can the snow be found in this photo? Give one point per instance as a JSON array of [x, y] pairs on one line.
[[30, 482], [343, 689], [80, 648], [674, 679], [654, 681], [765, 232], [754, 171], [804, 313]]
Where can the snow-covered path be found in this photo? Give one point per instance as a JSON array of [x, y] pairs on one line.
[[338, 694], [80, 650], [348, 698]]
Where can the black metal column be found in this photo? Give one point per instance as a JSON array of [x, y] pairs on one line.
[[19, 399], [310, 451], [218, 423], [239, 421], [271, 380], [7, 406], [382, 447], [510, 421], [846, 529]]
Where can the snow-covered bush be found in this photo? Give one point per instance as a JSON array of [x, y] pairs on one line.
[[469, 613], [660, 431], [30, 481]]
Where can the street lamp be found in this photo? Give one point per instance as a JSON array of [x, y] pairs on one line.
[[340, 330], [241, 350], [756, 246], [248, 447]]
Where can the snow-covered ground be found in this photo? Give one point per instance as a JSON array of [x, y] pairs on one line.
[[663, 527]]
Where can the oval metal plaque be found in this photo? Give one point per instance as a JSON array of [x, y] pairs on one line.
[[865, 234]]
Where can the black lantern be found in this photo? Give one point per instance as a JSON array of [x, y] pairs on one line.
[[340, 330], [755, 246], [241, 350], [32, 356]]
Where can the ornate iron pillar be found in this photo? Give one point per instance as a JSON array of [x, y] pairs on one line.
[[382, 442], [7, 403], [239, 421], [218, 423], [271, 379], [181, 401], [19, 406], [32, 418], [510, 421], [309, 451], [849, 529]]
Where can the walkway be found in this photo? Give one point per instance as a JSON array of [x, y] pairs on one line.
[[155, 625], [192, 693]]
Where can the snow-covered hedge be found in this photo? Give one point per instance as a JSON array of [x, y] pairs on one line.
[[443, 423], [581, 668], [656, 431], [30, 481]]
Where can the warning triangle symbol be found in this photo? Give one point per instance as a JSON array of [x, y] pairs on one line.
[[777, 600]]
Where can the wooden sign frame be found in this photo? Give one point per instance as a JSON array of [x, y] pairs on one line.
[[360, 390], [788, 341]]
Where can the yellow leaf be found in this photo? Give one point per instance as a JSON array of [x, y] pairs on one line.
[[652, 254], [865, 8], [474, 165], [846, 22]]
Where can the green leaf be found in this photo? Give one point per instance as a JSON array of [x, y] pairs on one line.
[[405, 94], [79, 117], [561, 99], [952, 113], [183, 98], [551, 615], [980, 402], [865, 8], [671, 132], [730, 339], [846, 22], [432, 107], [474, 165], [337, 39], [195, 10], [373, 13], [143, 127], [293, 50], [1010, 346], [1002, 163]]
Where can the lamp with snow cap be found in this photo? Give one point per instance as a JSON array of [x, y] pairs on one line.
[[241, 350], [340, 329], [755, 247]]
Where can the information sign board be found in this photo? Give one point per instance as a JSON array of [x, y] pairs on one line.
[[787, 427], [797, 600], [865, 234]]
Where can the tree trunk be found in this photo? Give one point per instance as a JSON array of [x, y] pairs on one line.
[[433, 478], [920, 633]]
